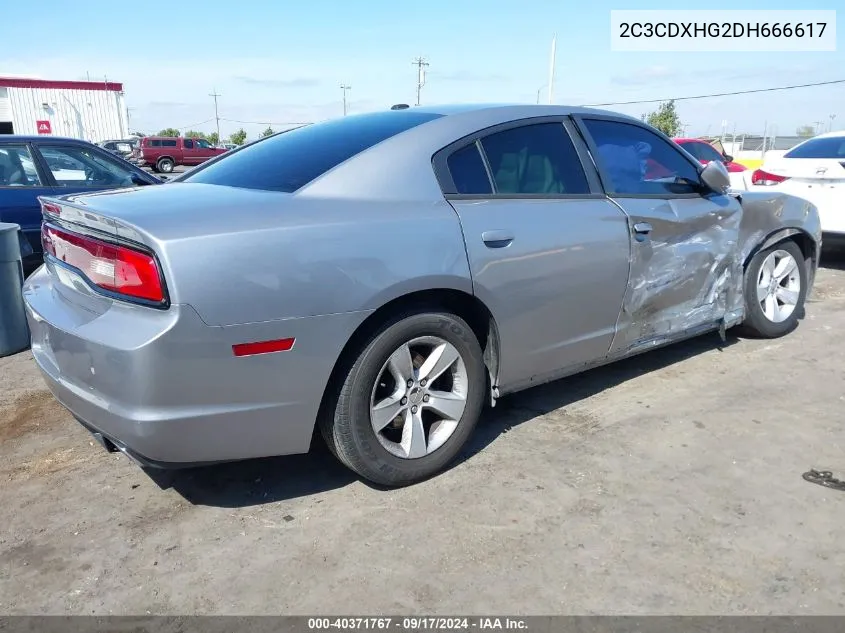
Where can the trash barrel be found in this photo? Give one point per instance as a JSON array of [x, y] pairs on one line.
[[14, 333]]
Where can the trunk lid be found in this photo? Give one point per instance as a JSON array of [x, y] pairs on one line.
[[160, 221], [807, 169], [172, 211]]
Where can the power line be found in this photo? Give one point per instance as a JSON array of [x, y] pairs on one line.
[[185, 127], [265, 122], [718, 94]]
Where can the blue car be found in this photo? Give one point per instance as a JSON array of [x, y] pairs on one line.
[[32, 166]]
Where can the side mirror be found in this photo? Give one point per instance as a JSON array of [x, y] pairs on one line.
[[715, 176], [138, 180], [728, 158]]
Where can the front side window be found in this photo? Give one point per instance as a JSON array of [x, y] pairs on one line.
[[830, 147], [287, 161], [535, 159], [83, 167], [639, 162], [203, 144], [17, 168]]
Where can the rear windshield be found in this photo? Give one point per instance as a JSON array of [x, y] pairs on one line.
[[832, 147], [290, 160]]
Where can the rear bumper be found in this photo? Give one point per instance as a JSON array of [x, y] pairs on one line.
[[166, 388]]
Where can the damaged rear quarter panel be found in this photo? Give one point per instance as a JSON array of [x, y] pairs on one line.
[[688, 275]]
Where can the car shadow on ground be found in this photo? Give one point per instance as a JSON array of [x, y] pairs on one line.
[[260, 481]]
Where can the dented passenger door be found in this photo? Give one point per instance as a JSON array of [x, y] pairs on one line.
[[685, 272]]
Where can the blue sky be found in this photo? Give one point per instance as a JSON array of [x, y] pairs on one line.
[[284, 61]]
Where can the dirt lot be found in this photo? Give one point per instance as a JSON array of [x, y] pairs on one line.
[[670, 483]]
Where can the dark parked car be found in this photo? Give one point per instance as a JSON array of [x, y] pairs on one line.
[[122, 148], [32, 166]]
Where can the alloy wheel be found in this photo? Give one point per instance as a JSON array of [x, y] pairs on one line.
[[778, 286], [419, 397]]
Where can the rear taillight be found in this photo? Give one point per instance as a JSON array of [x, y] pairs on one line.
[[760, 177], [118, 269], [48, 208]]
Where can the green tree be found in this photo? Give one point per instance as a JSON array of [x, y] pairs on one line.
[[213, 138], [268, 132], [665, 119], [238, 138], [195, 134], [806, 131], [169, 131]]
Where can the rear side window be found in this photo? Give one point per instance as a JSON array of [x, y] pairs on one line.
[[535, 159], [468, 173], [169, 143], [290, 160], [833, 147], [155, 143]]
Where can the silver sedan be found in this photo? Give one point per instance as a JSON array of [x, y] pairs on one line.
[[383, 277]]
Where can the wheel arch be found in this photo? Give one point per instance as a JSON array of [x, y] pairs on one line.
[[465, 305], [805, 241], [165, 157]]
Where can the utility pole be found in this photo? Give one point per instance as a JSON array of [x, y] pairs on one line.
[[830, 125], [344, 87], [817, 124], [421, 65], [216, 117]]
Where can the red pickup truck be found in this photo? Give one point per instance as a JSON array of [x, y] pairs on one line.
[[163, 153]]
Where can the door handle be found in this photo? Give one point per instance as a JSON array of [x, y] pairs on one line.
[[497, 239]]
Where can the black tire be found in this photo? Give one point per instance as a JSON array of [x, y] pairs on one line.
[[346, 425], [756, 323], [165, 165]]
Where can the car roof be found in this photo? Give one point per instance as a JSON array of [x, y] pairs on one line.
[[400, 166], [516, 110]]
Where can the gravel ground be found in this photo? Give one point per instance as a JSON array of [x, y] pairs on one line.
[[669, 483]]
